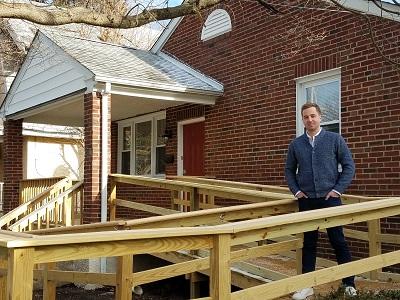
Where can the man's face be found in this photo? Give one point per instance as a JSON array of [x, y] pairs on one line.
[[311, 119]]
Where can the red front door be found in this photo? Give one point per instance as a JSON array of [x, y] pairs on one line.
[[193, 149]]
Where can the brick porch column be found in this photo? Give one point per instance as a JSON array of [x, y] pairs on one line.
[[92, 166], [13, 163]]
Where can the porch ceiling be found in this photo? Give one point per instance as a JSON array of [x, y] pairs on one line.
[[70, 112]]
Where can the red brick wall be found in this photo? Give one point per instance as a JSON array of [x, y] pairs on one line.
[[146, 195], [250, 127], [13, 163], [255, 119]]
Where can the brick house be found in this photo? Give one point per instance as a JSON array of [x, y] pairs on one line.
[[225, 91], [86, 83], [269, 69]]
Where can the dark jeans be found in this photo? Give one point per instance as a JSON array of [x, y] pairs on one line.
[[335, 234]]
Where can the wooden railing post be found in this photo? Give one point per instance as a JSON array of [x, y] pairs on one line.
[[375, 247], [220, 272], [20, 274], [3, 279], [113, 199], [194, 205], [123, 289], [49, 286]]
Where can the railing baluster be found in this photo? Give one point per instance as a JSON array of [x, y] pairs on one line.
[[194, 200]]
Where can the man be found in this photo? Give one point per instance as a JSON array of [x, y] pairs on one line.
[[312, 173]]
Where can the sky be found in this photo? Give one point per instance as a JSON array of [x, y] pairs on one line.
[[174, 2]]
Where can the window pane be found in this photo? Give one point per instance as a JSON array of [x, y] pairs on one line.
[[309, 94], [143, 148], [126, 163], [127, 138], [331, 127], [327, 97], [160, 131], [160, 160]]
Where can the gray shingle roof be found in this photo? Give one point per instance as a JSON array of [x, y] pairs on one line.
[[129, 64]]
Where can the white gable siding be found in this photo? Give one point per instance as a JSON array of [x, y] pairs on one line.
[[46, 74], [217, 23]]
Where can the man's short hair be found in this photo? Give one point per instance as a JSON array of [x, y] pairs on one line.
[[308, 105]]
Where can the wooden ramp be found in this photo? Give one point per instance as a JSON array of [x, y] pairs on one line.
[[218, 242]]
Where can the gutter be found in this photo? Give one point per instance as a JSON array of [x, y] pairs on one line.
[[158, 86]]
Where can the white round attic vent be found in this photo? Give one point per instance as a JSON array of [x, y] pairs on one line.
[[217, 23]]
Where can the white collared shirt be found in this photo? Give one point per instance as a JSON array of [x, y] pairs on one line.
[[312, 138]]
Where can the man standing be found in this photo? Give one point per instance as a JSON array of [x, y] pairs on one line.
[[313, 175]]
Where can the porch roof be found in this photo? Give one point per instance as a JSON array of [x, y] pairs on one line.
[[58, 69], [111, 62]]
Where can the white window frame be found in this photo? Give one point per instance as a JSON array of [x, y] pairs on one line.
[[302, 83], [153, 117], [121, 126]]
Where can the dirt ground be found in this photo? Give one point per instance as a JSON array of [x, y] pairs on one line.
[[287, 266], [177, 289]]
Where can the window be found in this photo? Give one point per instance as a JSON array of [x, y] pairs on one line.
[[324, 89], [126, 150], [217, 23], [141, 145]]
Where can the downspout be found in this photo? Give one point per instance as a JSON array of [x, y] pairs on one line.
[[105, 96]]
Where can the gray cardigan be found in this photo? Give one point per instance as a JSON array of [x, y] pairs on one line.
[[314, 171]]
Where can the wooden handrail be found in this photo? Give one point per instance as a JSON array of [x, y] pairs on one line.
[[45, 210], [283, 224], [261, 187], [30, 188], [220, 191], [193, 193], [233, 184], [213, 216], [26, 207]]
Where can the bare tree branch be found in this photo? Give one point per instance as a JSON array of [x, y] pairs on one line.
[[371, 32], [268, 6], [65, 15], [117, 15]]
